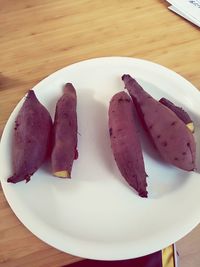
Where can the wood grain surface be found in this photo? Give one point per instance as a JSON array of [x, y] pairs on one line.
[[39, 37]]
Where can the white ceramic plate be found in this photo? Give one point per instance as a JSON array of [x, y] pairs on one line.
[[96, 214]]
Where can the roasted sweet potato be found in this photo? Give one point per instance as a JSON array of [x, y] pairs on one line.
[[180, 112], [65, 133], [169, 134], [125, 142], [32, 135]]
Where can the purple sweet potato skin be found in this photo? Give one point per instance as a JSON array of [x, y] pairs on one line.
[[181, 113], [169, 134], [125, 142], [32, 138], [65, 131]]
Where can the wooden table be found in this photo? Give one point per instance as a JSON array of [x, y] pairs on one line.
[[39, 37]]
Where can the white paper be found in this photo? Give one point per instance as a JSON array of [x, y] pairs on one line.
[[184, 15], [189, 7], [176, 256]]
